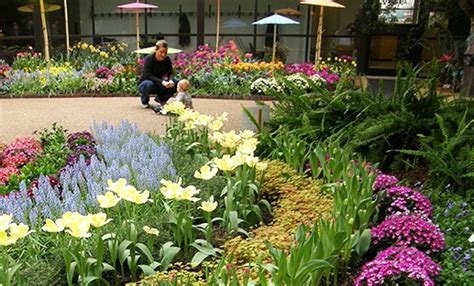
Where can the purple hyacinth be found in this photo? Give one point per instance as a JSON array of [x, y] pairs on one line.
[[397, 262]]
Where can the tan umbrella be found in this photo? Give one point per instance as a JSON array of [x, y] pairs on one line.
[[288, 12], [322, 4], [30, 7]]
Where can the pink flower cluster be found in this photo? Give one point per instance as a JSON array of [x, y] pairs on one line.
[[396, 262], [406, 200], [383, 182], [409, 230], [17, 154], [205, 58], [304, 68]]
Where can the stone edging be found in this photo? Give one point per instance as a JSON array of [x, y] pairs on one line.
[[230, 97]]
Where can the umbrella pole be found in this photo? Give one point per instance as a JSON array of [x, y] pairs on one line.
[[45, 31], [137, 26], [218, 14], [319, 36], [274, 47], [66, 22]]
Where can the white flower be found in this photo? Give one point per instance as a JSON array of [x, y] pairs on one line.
[[205, 173], [471, 238]]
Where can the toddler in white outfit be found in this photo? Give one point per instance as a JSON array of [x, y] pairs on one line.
[[183, 95]]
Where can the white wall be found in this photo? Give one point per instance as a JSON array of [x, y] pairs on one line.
[[334, 19]]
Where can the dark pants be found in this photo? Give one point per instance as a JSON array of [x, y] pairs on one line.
[[148, 87]]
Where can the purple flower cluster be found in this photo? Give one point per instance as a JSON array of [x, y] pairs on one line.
[[406, 200], [80, 143], [104, 72], [304, 68], [397, 262], [383, 182], [409, 230]]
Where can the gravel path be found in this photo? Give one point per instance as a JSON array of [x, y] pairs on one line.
[[22, 116]]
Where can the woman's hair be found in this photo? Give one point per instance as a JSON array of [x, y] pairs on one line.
[[161, 44]]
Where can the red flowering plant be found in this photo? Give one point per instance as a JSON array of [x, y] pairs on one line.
[[28, 61], [447, 70]]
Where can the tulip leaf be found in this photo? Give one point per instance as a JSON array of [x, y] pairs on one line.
[[364, 242]]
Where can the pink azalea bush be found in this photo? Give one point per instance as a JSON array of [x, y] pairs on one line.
[[20, 152], [5, 173], [396, 263], [409, 230]]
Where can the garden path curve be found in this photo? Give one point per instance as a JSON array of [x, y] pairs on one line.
[[22, 116]]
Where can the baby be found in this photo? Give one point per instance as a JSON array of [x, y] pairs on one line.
[[183, 95]]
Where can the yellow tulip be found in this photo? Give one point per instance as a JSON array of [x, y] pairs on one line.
[[6, 240], [51, 226], [246, 134], [79, 228], [150, 230], [141, 198], [5, 221], [209, 206], [226, 163], [188, 193], [117, 186], [261, 166], [108, 200], [215, 125], [170, 190], [18, 231], [205, 173], [98, 219]]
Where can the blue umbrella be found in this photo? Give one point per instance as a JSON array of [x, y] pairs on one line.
[[275, 20]]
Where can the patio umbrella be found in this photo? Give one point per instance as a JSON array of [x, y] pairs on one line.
[[322, 4], [151, 50], [288, 12], [29, 8], [275, 20], [137, 8]]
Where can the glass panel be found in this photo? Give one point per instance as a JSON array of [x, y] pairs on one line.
[[399, 11]]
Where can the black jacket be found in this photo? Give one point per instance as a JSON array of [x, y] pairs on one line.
[[184, 28], [157, 71]]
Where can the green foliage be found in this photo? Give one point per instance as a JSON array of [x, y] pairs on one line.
[[450, 154], [454, 216]]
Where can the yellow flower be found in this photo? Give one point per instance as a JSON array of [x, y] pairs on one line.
[[246, 134], [170, 190], [209, 206], [217, 137], [18, 231], [230, 140], [79, 228], [104, 54], [84, 46], [51, 226], [5, 221], [226, 163], [108, 200], [98, 219], [189, 125], [261, 166], [6, 240], [141, 198], [215, 125], [188, 193], [150, 230], [247, 147], [117, 187], [205, 173]]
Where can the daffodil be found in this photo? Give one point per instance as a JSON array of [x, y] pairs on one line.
[[5, 221], [108, 200], [151, 230], [98, 219], [205, 172], [209, 206], [51, 226]]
